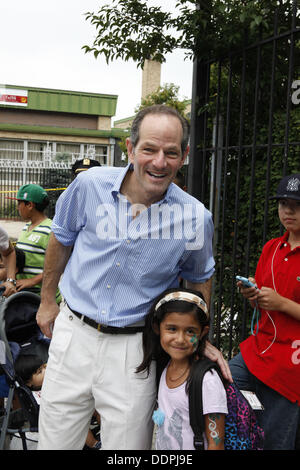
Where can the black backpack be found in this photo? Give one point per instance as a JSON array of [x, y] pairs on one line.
[[241, 429]]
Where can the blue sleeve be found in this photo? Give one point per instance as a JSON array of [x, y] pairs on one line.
[[198, 265], [69, 213]]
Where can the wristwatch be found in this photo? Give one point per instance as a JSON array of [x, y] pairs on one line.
[[9, 279]]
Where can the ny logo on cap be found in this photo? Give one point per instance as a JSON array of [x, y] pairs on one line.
[[293, 184]]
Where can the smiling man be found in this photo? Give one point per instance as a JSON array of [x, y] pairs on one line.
[[157, 155], [110, 278]]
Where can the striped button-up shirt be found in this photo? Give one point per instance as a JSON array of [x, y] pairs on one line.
[[120, 263]]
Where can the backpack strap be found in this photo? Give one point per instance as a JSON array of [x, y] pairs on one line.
[[195, 400]]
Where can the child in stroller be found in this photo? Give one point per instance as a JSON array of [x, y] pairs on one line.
[[31, 369], [24, 354]]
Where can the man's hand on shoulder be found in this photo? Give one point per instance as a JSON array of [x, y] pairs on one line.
[[215, 355]]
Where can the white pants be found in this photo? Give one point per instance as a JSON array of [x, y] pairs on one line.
[[90, 370]]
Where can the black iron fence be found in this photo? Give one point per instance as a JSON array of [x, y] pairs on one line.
[[53, 180], [245, 136]]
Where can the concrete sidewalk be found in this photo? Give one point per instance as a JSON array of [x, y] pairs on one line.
[[13, 228]]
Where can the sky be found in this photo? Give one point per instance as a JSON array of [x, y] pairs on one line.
[[41, 46]]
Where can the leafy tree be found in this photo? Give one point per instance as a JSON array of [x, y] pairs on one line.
[[129, 29], [167, 94]]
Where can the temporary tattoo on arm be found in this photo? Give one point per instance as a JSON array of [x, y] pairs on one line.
[[212, 426]]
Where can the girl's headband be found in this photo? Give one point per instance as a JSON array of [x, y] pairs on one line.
[[186, 297]]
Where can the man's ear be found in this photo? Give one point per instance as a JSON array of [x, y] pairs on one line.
[[185, 155], [130, 149]]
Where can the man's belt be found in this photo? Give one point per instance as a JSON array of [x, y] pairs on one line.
[[112, 330]]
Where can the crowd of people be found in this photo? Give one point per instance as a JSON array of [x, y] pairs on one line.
[[122, 281]]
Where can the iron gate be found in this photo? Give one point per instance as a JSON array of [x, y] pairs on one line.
[[245, 125]]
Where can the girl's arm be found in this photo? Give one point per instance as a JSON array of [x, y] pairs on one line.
[[215, 430]]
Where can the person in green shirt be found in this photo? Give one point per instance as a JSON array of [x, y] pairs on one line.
[[33, 240]]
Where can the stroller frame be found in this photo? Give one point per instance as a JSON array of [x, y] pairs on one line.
[[17, 328]]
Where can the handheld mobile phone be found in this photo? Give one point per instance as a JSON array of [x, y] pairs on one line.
[[245, 281]]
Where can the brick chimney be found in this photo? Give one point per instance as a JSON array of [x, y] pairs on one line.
[[150, 77]]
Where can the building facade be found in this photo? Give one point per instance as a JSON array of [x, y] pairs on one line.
[[47, 128]]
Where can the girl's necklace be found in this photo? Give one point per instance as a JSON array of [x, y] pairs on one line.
[[180, 376]]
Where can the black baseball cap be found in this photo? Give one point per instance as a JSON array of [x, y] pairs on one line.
[[288, 188]]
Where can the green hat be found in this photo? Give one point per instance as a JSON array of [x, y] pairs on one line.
[[31, 192]]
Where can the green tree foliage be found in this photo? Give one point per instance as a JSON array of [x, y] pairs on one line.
[[130, 29], [167, 94]]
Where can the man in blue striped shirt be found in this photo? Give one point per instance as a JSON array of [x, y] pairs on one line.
[[134, 233]]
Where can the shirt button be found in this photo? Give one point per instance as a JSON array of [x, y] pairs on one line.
[[285, 259], [117, 264], [128, 241], [103, 312], [285, 244], [108, 286]]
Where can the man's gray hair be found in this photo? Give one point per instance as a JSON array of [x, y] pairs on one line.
[[160, 109]]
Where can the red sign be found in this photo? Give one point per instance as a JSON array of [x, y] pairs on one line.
[[13, 97]]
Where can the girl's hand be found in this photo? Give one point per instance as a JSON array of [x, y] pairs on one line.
[[268, 299], [24, 284], [250, 293]]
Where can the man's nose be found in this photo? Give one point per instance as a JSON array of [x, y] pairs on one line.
[[160, 160]]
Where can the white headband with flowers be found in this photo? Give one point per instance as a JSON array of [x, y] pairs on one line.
[[186, 297]]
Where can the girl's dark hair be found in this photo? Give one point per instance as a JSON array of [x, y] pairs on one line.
[[26, 365], [151, 339]]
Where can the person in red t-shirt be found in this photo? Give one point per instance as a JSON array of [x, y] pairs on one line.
[[269, 361]]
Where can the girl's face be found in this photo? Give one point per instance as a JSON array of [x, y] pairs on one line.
[[37, 378], [179, 334], [289, 214]]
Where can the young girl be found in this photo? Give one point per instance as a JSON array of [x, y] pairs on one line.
[[175, 335]]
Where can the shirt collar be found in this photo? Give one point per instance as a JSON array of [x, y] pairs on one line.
[[119, 180], [284, 241]]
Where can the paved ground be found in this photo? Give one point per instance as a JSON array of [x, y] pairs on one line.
[[12, 227]]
